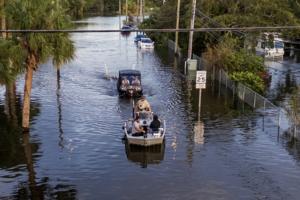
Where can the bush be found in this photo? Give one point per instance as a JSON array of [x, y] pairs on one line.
[[249, 79]]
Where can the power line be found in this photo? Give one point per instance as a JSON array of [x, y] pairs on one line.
[[225, 29]]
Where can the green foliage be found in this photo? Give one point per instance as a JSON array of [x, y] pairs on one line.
[[46, 14], [229, 13], [242, 65], [243, 61], [11, 61], [249, 79]]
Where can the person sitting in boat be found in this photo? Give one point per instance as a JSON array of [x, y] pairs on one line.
[[142, 105], [137, 129], [155, 124], [125, 82], [136, 81]]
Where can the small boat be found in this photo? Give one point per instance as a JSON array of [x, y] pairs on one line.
[[270, 48], [129, 83], [149, 138]]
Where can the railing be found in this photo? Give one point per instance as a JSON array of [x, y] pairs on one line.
[[280, 117]]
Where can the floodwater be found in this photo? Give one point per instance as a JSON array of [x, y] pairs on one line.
[[75, 148]]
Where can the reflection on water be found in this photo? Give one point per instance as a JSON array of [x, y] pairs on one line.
[[59, 107], [145, 155]]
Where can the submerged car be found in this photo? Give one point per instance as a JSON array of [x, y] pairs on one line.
[[129, 83], [139, 37], [146, 43], [126, 29]]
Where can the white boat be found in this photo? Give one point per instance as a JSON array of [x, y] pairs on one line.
[[149, 138], [270, 48]]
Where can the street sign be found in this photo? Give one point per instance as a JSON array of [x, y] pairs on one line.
[[201, 80], [200, 86]]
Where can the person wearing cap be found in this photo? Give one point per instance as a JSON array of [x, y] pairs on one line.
[[143, 105], [155, 124]]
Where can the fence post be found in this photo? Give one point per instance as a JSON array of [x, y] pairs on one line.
[[254, 103], [244, 93], [279, 116], [220, 82]]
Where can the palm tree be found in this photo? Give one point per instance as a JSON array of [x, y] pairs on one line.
[[39, 47], [11, 59], [3, 20]]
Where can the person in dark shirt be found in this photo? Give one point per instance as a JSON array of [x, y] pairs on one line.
[[155, 124]]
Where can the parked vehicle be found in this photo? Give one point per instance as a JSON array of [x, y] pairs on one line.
[[146, 43], [125, 30], [139, 37], [129, 83]]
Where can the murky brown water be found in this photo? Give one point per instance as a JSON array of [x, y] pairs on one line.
[[75, 149]]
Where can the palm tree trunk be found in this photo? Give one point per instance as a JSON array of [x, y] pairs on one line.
[[3, 20], [27, 92]]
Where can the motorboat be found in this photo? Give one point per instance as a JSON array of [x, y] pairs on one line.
[[270, 46], [148, 138], [146, 43], [129, 83]]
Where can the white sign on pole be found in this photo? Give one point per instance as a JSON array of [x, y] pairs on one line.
[[201, 80]]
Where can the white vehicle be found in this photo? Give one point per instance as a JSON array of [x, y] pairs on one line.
[[146, 43], [270, 48]]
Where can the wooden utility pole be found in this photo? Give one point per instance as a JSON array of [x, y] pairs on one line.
[[141, 8], [190, 49], [126, 11], [120, 12], [177, 27], [137, 10]]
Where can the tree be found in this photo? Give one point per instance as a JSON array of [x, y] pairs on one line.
[[39, 47]]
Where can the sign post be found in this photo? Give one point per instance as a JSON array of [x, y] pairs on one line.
[[200, 84]]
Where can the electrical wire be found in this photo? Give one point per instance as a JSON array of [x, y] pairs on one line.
[[224, 29]]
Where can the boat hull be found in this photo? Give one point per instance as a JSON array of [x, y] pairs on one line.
[[141, 141]]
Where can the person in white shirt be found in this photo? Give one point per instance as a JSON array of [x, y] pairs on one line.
[[137, 129]]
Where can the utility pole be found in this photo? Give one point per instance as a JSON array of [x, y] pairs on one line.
[[126, 11], [177, 27], [137, 10], [190, 49], [143, 6], [120, 12]]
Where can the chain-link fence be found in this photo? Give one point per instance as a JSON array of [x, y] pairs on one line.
[[279, 116]]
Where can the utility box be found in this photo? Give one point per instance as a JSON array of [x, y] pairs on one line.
[[191, 64], [190, 69]]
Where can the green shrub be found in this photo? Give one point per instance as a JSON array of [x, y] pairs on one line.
[[249, 79]]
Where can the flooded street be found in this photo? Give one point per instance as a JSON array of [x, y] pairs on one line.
[[75, 148]]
